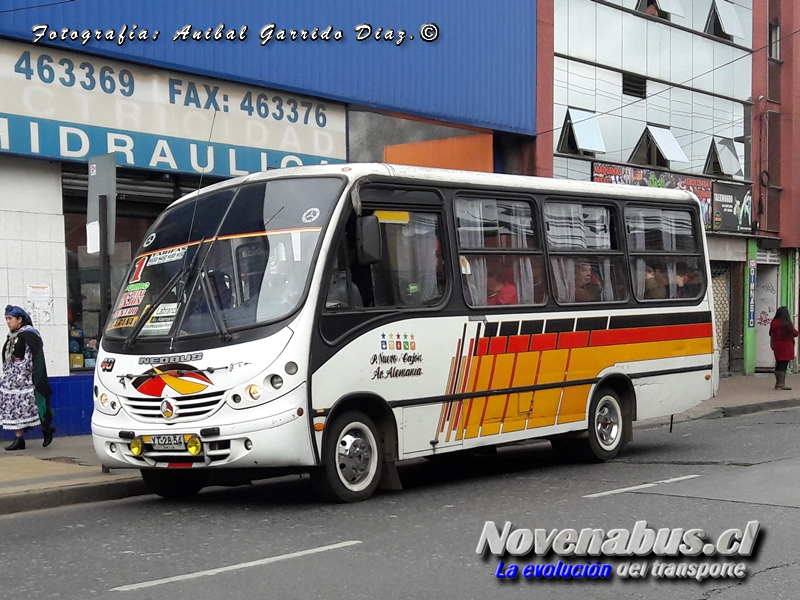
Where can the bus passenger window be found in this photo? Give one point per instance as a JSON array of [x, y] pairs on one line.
[[500, 257], [411, 272], [573, 232], [666, 260]]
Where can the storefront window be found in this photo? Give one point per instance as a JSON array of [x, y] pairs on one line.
[[83, 282]]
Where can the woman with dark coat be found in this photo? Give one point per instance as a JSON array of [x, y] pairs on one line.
[[24, 389], [782, 334]]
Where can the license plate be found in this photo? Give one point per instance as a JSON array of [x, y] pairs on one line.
[[170, 441]]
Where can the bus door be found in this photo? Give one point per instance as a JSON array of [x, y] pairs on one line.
[[382, 322]]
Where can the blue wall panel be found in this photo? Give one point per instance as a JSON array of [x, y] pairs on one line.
[[72, 407], [480, 71]]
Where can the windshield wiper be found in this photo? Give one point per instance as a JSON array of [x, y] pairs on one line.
[[217, 316]]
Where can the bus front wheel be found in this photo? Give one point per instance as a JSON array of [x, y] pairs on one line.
[[351, 459], [175, 484]]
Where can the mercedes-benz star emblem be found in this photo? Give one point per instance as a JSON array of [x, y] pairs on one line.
[[167, 409]]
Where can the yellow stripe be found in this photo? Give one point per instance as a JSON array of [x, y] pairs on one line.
[[519, 405], [473, 376], [478, 404], [545, 402], [503, 365]]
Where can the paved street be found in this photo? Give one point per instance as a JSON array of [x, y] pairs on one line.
[[421, 542]]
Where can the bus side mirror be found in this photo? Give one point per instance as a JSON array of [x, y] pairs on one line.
[[368, 240]]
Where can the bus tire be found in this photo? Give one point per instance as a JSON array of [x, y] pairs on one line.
[[351, 459], [606, 425], [175, 484]]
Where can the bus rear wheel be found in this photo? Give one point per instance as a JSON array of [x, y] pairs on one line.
[[175, 484], [605, 437], [606, 421], [351, 459]]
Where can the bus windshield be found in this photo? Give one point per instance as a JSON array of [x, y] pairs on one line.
[[227, 260]]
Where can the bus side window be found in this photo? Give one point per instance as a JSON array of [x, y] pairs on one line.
[[340, 294], [499, 255], [359, 292], [411, 271], [666, 262]]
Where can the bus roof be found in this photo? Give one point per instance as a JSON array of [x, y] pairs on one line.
[[530, 184]]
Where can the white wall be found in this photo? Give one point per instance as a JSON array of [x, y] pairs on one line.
[[32, 247]]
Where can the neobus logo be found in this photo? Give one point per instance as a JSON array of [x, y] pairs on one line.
[[396, 341], [165, 360]]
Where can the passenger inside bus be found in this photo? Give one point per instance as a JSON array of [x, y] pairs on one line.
[[686, 283], [588, 287], [499, 290], [653, 288]]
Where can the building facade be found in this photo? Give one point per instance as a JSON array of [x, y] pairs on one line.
[[661, 93]]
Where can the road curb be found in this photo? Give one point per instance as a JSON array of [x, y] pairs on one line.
[[721, 412], [75, 494], [747, 409]]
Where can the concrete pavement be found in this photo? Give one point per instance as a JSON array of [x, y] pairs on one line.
[[68, 471]]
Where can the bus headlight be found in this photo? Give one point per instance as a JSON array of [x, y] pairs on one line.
[[107, 403], [254, 392], [276, 381]]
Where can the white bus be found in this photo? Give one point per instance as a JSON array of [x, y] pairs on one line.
[[338, 319]]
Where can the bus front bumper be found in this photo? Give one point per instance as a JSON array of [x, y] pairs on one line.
[[279, 440]]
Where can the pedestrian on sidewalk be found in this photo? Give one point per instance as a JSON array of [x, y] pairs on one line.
[[781, 339], [24, 388]]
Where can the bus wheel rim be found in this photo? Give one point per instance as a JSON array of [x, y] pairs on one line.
[[607, 422], [355, 457]]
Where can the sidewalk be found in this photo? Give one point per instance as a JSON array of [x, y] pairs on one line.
[[68, 471]]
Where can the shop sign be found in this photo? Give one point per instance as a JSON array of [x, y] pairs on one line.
[[751, 295], [63, 105], [733, 207], [626, 175], [768, 257]]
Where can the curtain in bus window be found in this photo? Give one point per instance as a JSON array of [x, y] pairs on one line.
[[639, 277], [473, 279], [563, 268], [669, 230], [471, 216], [565, 228], [608, 294], [518, 217], [596, 223], [407, 274], [523, 280], [424, 244]]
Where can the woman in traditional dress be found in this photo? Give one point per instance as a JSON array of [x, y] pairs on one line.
[[24, 389]]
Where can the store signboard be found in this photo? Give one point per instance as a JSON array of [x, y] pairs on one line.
[[733, 207], [751, 294], [768, 257], [700, 186], [63, 105]]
